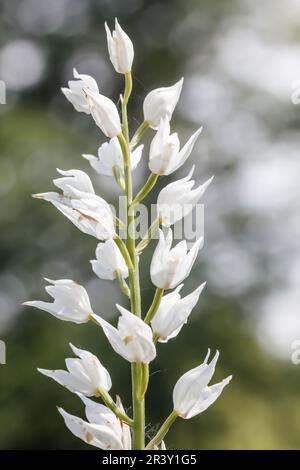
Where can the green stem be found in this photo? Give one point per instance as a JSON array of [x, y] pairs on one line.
[[138, 134], [138, 408], [145, 379], [134, 283], [127, 93], [134, 271], [111, 405], [148, 236], [146, 189], [154, 306], [118, 177], [122, 283], [162, 431], [124, 251]]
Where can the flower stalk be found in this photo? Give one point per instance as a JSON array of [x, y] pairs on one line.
[[139, 134], [146, 189], [118, 177], [163, 430], [109, 402], [127, 93], [155, 304], [122, 283], [149, 235], [134, 283], [125, 252], [107, 426]]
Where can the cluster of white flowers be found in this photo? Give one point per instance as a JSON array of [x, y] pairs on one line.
[[108, 426]]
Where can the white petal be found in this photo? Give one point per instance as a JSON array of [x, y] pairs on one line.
[[137, 336], [97, 413], [192, 385], [96, 372], [93, 434], [173, 313], [67, 380], [212, 394], [73, 179], [120, 49], [105, 113], [185, 152], [109, 259], [114, 338], [160, 103]]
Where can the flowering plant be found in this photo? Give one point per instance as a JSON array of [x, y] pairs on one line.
[[107, 424]]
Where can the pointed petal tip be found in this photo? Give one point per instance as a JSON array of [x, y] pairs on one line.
[[123, 310], [72, 347], [192, 140], [207, 356], [83, 398], [66, 172], [88, 157], [208, 182], [197, 133], [61, 411], [178, 288], [216, 357], [191, 172], [198, 243], [49, 280], [200, 288]]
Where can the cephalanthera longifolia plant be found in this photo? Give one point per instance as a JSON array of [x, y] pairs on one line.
[[107, 425]]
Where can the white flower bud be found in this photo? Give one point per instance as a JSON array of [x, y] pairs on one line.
[[104, 113], [120, 48], [132, 339], [73, 181], [173, 313], [71, 301], [160, 103], [177, 199], [110, 155], [169, 267], [75, 93], [85, 375], [102, 436], [165, 155], [192, 395], [99, 415], [87, 211], [109, 260]]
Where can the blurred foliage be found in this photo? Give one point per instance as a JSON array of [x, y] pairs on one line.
[[39, 131]]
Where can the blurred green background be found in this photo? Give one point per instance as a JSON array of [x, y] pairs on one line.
[[240, 60]]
